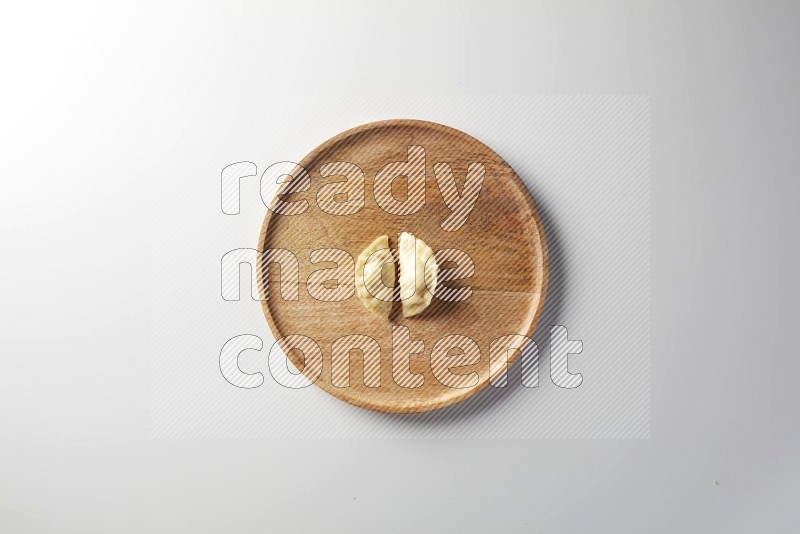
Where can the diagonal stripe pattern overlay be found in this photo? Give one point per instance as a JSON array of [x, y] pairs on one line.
[[586, 161]]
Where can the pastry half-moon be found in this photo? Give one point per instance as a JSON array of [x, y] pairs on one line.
[[374, 283], [418, 273]]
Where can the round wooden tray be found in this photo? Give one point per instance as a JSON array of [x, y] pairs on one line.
[[503, 235]]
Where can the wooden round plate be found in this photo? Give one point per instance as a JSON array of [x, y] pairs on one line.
[[503, 236]]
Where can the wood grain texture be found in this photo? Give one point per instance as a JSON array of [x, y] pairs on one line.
[[504, 236]]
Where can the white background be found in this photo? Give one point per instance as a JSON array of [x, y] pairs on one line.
[[101, 103]]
